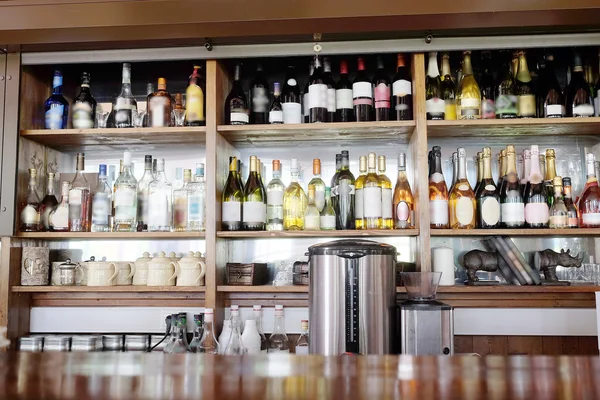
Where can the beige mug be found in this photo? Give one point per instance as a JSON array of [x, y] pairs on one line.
[[162, 271], [101, 273], [126, 270], [140, 277], [191, 271]]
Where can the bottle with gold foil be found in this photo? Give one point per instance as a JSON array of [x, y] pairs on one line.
[[254, 207], [194, 100], [160, 106], [479, 164], [536, 203], [524, 89], [387, 218], [468, 99], [558, 212], [488, 200], [403, 203], [372, 195], [275, 190], [359, 185], [512, 208], [319, 185], [572, 217], [502, 169], [438, 192], [549, 175], [448, 89], [462, 203]]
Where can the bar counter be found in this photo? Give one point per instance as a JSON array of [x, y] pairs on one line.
[[192, 376]]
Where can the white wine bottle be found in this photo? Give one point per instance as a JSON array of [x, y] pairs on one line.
[[254, 208], [372, 195], [294, 202], [468, 103], [233, 196], [312, 217]]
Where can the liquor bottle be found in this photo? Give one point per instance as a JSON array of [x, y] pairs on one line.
[[362, 94], [372, 212], [438, 192], [276, 110], [488, 200], [231, 201], [468, 98], [589, 204], [344, 195], [160, 198], [338, 167], [84, 106], [101, 203], [549, 175], [319, 185], [275, 191], [235, 346], [579, 98], [30, 209], [194, 100], [488, 95], [196, 202], [259, 97], [558, 212], [462, 199], [403, 203], [124, 104], [125, 198], [254, 207], [526, 170], [312, 215], [306, 95], [56, 107], [512, 208], [479, 164], [160, 106], [359, 195], [180, 345], [236, 104], [381, 85], [552, 99], [454, 169], [195, 343], [48, 203], [448, 89], [142, 193], [278, 341], [344, 103], [257, 311], [402, 92], [536, 203], [434, 103], [79, 199], [302, 342], [387, 217], [180, 203], [291, 99], [317, 94], [331, 89], [506, 101], [327, 220], [294, 202], [59, 216], [572, 217], [208, 343], [524, 89]]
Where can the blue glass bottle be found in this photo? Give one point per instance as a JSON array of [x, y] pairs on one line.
[[56, 107]]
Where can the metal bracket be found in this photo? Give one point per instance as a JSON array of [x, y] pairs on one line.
[[317, 38], [208, 44], [428, 37]]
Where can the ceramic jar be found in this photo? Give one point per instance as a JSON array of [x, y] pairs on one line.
[[191, 271], [141, 269], [126, 270], [101, 273], [162, 271]]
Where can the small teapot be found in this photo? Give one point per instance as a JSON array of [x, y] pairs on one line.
[[162, 271], [141, 269], [68, 272], [191, 271]]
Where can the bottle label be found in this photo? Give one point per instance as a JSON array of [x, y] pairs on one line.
[[464, 211], [362, 89], [488, 109], [573, 222], [194, 104], [435, 106], [158, 207], [180, 208], [60, 218], [331, 100], [402, 211], [506, 104], [450, 109], [438, 211], [30, 215], [320, 199], [260, 100], [536, 213], [591, 219], [275, 117], [436, 177], [402, 88], [100, 209], [513, 213], [382, 96], [386, 203], [54, 117], [158, 107], [195, 208], [583, 110], [554, 110], [231, 211], [328, 222], [358, 204], [317, 96], [526, 105], [124, 197], [490, 211], [470, 108], [558, 221], [254, 211], [372, 202], [302, 350], [75, 197], [82, 115], [312, 222], [344, 99], [292, 113], [275, 197], [240, 117]]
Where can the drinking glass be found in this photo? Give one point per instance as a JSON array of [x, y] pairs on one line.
[[138, 118], [179, 116], [102, 118]]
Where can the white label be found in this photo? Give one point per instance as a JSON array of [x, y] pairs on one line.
[[591, 219], [275, 197], [195, 207], [302, 350], [402, 212], [331, 100], [60, 218], [100, 209], [317, 96], [343, 99], [239, 117], [320, 199], [327, 221], [158, 105], [555, 109], [358, 204], [536, 213], [436, 177], [490, 211], [260, 100], [513, 213], [292, 113], [82, 115], [401, 88], [435, 106], [438, 211], [75, 197], [29, 215], [362, 89], [464, 211], [583, 110], [231, 211], [386, 203], [490, 188], [305, 104], [254, 211], [470, 102], [372, 202], [158, 214], [124, 197], [275, 117], [312, 222]]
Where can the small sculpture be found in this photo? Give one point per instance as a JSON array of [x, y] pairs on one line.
[[478, 260], [547, 260]]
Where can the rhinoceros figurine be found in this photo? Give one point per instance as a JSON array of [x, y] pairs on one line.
[[547, 260], [478, 260]]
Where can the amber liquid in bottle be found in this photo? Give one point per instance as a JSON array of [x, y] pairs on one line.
[[462, 199], [589, 204], [403, 203]]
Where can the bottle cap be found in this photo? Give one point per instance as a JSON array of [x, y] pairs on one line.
[[566, 181], [102, 170], [550, 153], [557, 181], [162, 82], [51, 175], [127, 158], [510, 149], [276, 165], [200, 169], [257, 308], [535, 149], [487, 152], [295, 164], [316, 166], [401, 159], [33, 172], [462, 152], [590, 157], [381, 163]]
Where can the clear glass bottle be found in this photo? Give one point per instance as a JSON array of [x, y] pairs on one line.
[[302, 342], [387, 217], [48, 203], [403, 202], [224, 336], [196, 211], [125, 199], [180, 203], [257, 311], [172, 334], [30, 208], [101, 203], [194, 100], [278, 341], [512, 208], [208, 343], [59, 217], [559, 217], [372, 195], [359, 185], [448, 89], [79, 199], [254, 208], [488, 199], [142, 194], [198, 333], [236, 105], [275, 190], [124, 104], [232, 199], [343, 195], [276, 110], [319, 185], [160, 198], [56, 108], [536, 203], [328, 214], [294, 202], [589, 204], [572, 217], [235, 346], [468, 99], [434, 102], [312, 216], [160, 106], [438, 192], [84, 106], [524, 90], [462, 199], [180, 345]]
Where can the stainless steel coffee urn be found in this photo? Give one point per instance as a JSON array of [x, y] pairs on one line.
[[352, 297]]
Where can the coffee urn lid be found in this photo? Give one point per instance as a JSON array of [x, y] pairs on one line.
[[368, 247]]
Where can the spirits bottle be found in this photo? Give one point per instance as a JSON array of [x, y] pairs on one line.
[[59, 217], [438, 192], [302, 342], [79, 199], [331, 89], [572, 217], [536, 203], [236, 104], [275, 191], [180, 346], [402, 92], [231, 202], [524, 89], [180, 203], [434, 103], [344, 195], [276, 110], [512, 208], [359, 195], [259, 97], [448, 89], [142, 193], [387, 217], [292, 107], [257, 311], [48, 203], [101, 203], [372, 195], [30, 209], [488, 95], [558, 212], [198, 333], [526, 170], [319, 185], [194, 100], [251, 338], [328, 213], [254, 207], [553, 101], [462, 199], [317, 93], [549, 175], [84, 106], [306, 95], [235, 346], [160, 198], [579, 98], [479, 163], [294, 202], [125, 200], [160, 106], [589, 204], [225, 336], [278, 341], [506, 102], [403, 204], [468, 98], [381, 85], [56, 107], [196, 202], [362, 94], [312, 215], [488, 200], [124, 104], [344, 102]]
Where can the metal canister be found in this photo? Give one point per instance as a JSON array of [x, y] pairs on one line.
[[137, 342], [32, 344], [112, 342], [57, 343], [84, 343], [154, 339]]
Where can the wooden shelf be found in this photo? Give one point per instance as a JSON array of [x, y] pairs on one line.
[[573, 288], [262, 289], [517, 232], [110, 235], [317, 234], [301, 134], [107, 289]]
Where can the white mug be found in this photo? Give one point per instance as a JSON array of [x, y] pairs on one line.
[[162, 275], [191, 275], [101, 273], [126, 270], [141, 270]]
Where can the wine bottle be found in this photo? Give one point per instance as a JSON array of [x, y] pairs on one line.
[[448, 89], [488, 89], [292, 108], [372, 195], [30, 209], [318, 184], [317, 94], [502, 170], [328, 213], [403, 203], [488, 199], [48, 204], [194, 100], [468, 99], [275, 191], [579, 98], [239, 175], [338, 167], [558, 212], [359, 195], [515, 64], [454, 159], [549, 175], [520, 167], [572, 217], [331, 89], [124, 105], [259, 97], [381, 84], [553, 102], [236, 104], [438, 192], [294, 202], [344, 193], [84, 106], [589, 204], [306, 97], [312, 216], [526, 170], [56, 108], [344, 102], [232, 199], [362, 94], [536, 202], [276, 110], [160, 106], [462, 199], [479, 163], [387, 217], [524, 89], [434, 103], [254, 208], [512, 208], [506, 101], [402, 92]]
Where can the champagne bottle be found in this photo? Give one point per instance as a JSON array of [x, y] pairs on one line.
[[512, 207], [387, 217], [589, 204], [572, 217], [254, 208], [403, 203], [319, 185], [468, 103], [372, 195], [549, 175], [553, 102], [488, 200], [479, 163], [558, 212], [434, 103], [579, 98], [525, 93], [438, 192], [526, 170], [454, 169], [462, 199], [232, 199], [448, 89], [502, 170], [506, 101], [381, 85], [359, 195], [488, 95], [536, 202]]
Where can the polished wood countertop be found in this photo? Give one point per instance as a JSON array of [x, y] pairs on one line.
[[158, 376]]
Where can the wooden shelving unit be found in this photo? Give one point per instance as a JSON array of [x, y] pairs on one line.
[[516, 232], [317, 234], [110, 235]]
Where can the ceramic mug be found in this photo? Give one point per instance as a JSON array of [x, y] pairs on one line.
[[126, 270], [191, 275], [141, 270], [101, 273], [162, 275]]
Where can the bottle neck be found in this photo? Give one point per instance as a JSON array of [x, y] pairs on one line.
[[462, 168], [558, 192], [550, 168], [535, 175], [567, 191], [446, 66], [345, 164], [276, 174], [279, 326], [511, 165], [467, 69], [437, 169], [295, 175], [57, 84], [50, 187], [432, 68], [64, 194], [523, 74], [487, 168]]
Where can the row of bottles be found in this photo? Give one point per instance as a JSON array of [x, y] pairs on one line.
[[366, 202], [148, 205], [322, 100]]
